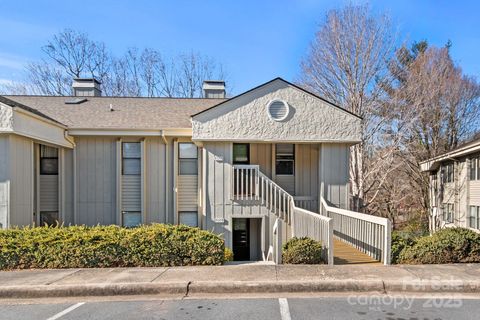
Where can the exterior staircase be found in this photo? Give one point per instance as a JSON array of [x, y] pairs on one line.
[[357, 237]]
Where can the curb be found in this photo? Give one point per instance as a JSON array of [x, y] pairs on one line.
[[57, 291], [433, 286], [287, 286], [243, 287]]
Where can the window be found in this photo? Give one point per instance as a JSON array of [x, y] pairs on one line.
[[278, 110], [475, 168], [48, 160], [447, 173], [448, 211], [131, 158], [241, 153], [474, 217], [188, 218], [188, 159], [131, 218], [285, 159]]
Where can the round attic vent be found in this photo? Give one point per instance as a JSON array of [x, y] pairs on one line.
[[278, 110]]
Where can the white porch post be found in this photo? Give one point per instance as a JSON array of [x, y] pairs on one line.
[[387, 245], [277, 238]]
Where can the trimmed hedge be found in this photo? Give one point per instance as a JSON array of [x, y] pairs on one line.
[[109, 246], [302, 251], [449, 245]]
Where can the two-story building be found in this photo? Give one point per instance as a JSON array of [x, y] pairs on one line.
[[231, 166], [455, 187]]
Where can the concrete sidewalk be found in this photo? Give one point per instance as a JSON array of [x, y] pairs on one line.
[[243, 279]]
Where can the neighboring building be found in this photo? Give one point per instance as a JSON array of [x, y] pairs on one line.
[[88, 159], [455, 187]]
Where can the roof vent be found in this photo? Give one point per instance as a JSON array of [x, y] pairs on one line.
[[214, 89], [86, 87], [278, 110], [75, 100]]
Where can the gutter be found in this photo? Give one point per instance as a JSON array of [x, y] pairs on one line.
[[428, 164]]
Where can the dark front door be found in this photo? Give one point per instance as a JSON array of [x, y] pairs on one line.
[[241, 240]]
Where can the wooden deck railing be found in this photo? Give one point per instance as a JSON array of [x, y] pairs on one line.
[[367, 233], [313, 225]]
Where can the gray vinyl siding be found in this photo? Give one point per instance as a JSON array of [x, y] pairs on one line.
[[307, 173], [474, 193], [21, 181], [4, 180], [48, 193], [68, 197], [461, 182], [169, 188], [96, 180], [218, 180], [334, 173], [155, 166]]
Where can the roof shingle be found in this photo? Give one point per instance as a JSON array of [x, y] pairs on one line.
[[129, 112]]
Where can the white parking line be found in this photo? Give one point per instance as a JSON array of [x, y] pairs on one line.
[[64, 312], [284, 310]]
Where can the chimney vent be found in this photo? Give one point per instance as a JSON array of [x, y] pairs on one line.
[[214, 89], [86, 87]]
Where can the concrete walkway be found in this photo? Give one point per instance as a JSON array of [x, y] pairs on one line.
[[347, 254], [240, 279]]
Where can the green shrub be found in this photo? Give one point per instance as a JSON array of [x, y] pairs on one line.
[[109, 246], [400, 241], [449, 245], [228, 254], [302, 251]]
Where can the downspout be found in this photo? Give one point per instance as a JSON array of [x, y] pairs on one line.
[[167, 178]]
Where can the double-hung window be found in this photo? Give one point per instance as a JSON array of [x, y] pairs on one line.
[[475, 168], [448, 211], [474, 217], [188, 166], [187, 158], [447, 173], [131, 162], [131, 170], [285, 159], [48, 169], [48, 160]]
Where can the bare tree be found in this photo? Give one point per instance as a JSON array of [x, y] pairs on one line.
[[71, 54], [437, 107], [346, 61]]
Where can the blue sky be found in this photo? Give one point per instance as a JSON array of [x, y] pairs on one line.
[[255, 40]]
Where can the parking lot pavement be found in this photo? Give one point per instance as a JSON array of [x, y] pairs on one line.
[[351, 307]]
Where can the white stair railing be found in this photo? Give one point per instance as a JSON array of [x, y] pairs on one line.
[[367, 233], [250, 184]]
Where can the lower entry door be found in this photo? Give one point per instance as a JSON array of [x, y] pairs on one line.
[[241, 239]]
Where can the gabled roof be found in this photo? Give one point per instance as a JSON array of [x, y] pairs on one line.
[[129, 112], [15, 104], [287, 82]]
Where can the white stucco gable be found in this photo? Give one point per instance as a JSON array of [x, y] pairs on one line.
[[6, 118], [246, 118]]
